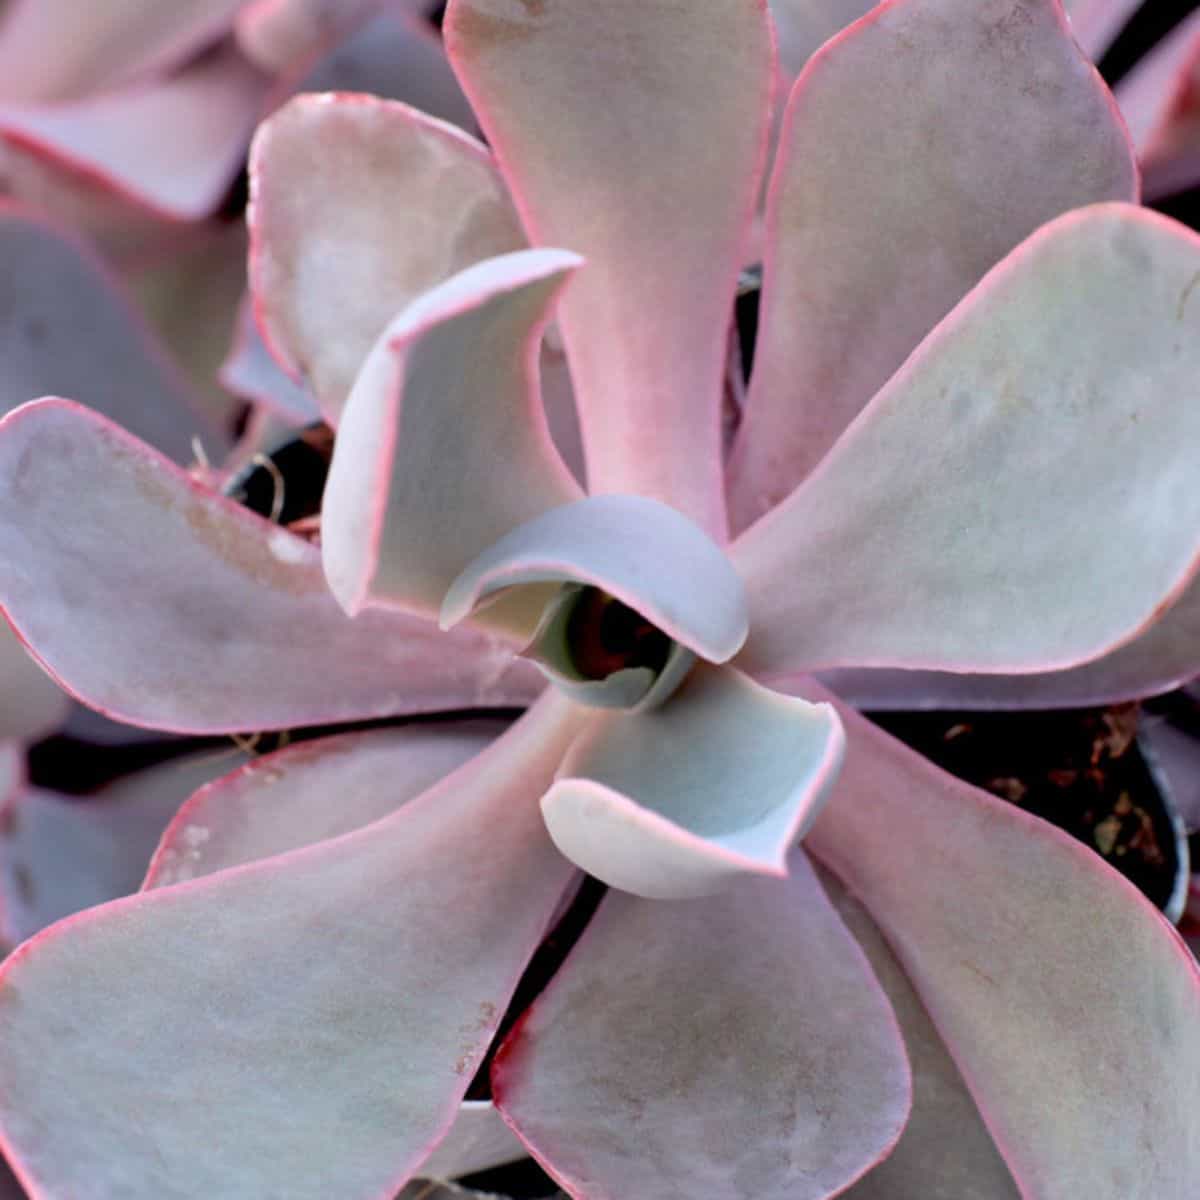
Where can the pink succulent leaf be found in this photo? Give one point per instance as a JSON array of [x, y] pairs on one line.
[[31, 703], [171, 145], [1052, 518], [995, 124], [1046, 973], [1164, 657], [801, 28], [276, 34], [61, 854], [166, 605], [126, 232], [350, 989], [562, 415], [443, 447], [945, 1151], [68, 327], [1160, 100], [391, 56], [396, 56], [282, 801], [1096, 23], [619, 1077], [54, 50], [190, 298], [654, 181], [401, 203], [250, 371], [688, 798], [650, 557]]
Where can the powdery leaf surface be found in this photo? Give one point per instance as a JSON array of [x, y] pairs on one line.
[[347, 993], [655, 183], [919, 148], [1053, 516], [164, 604], [1009, 930], [690, 1049]]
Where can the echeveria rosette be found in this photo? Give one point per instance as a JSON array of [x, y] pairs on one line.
[[504, 528], [782, 1079]]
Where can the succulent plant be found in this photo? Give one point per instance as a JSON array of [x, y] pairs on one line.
[[969, 447]]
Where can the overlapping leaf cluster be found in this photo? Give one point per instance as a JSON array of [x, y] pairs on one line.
[[964, 468]]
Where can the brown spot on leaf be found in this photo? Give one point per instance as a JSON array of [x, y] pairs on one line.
[[224, 533], [980, 972]]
